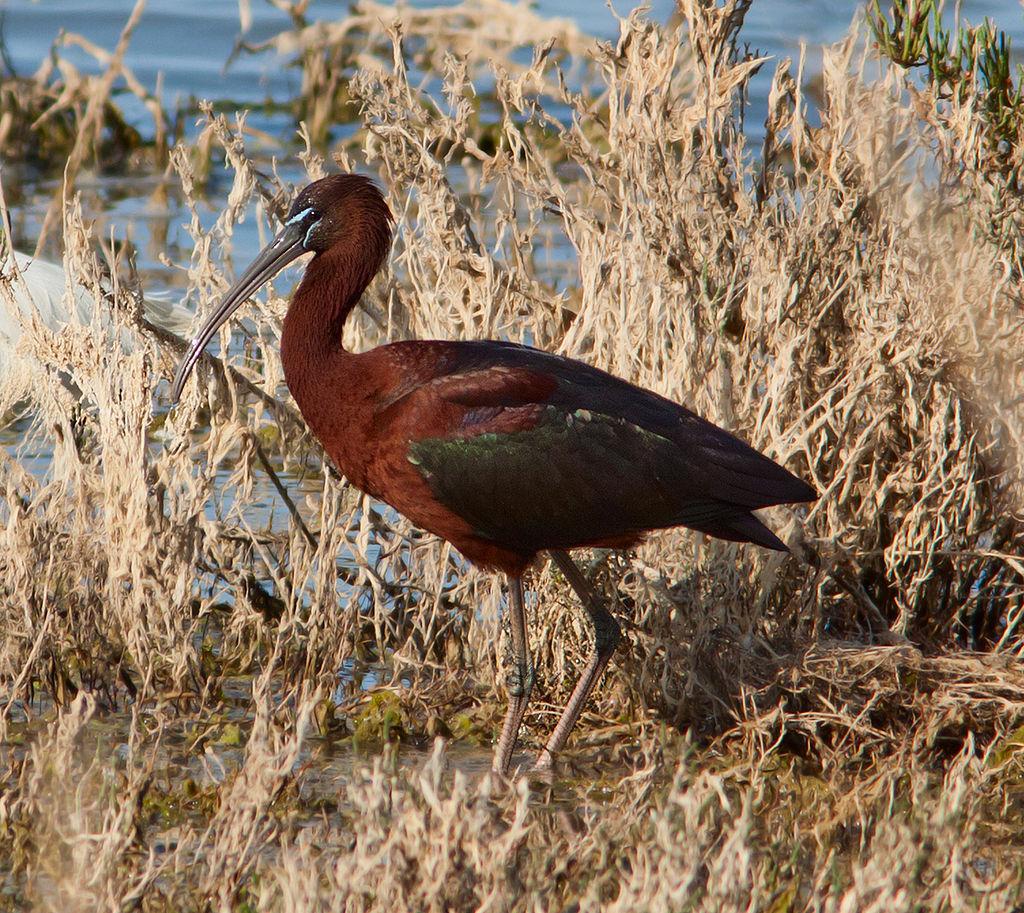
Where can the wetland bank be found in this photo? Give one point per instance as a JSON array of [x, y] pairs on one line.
[[230, 682]]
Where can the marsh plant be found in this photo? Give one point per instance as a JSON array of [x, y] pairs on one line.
[[186, 717]]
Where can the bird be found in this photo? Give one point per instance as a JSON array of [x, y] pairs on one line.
[[504, 450], [41, 291]]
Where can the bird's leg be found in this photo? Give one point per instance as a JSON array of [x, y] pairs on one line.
[[520, 680], [607, 635]]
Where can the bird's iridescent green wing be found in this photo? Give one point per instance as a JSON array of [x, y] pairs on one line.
[[549, 450], [534, 475]]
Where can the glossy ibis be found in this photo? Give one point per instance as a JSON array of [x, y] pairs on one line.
[[503, 450]]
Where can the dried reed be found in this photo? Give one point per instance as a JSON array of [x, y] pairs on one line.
[[852, 711]]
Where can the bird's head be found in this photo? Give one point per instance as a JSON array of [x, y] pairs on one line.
[[340, 212], [330, 211]]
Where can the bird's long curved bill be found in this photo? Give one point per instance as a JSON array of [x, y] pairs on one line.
[[285, 247]]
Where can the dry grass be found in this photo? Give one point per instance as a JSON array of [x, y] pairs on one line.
[[852, 713]]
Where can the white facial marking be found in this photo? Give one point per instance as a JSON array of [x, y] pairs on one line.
[[299, 216], [305, 242]]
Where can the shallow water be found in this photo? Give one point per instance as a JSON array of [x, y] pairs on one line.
[[185, 45]]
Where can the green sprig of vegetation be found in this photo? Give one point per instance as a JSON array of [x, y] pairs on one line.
[[959, 62]]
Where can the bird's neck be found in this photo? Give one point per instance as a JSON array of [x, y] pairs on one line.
[[312, 332], [316, 364]]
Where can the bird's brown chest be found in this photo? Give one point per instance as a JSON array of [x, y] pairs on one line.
[[362, 412]]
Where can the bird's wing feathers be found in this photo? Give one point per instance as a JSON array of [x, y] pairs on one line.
[[551, 450], [496, 385], [536, 474]]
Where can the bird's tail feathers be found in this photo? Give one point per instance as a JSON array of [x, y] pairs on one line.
[[744, 528]]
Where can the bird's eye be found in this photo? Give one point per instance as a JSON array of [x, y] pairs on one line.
[[309, 215]]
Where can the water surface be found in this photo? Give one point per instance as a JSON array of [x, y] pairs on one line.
[[184, 47]]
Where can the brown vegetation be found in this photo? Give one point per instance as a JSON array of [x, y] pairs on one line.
[[847, 297]]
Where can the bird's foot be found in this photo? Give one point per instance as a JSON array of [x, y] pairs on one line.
[[543, 769], [545, 760], [496, 780]]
